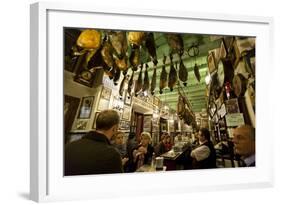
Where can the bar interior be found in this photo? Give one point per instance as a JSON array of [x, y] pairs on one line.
[[185, 101]]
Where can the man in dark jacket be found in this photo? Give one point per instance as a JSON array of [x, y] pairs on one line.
[[93, 154], [204, 156], [244, 144]]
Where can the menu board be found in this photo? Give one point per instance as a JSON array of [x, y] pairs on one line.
[[234, 119]]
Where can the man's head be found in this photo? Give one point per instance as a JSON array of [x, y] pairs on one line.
[[244, 140], [107, 122], [204, 135]]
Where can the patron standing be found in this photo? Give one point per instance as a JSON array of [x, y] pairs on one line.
[[93, 154]]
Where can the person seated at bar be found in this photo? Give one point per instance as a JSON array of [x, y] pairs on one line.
[[168, 143], [160, 147], [118, 143], [143, 153], [131, 144], [93, 153], [204, 156], [178, 138], [244, 144]]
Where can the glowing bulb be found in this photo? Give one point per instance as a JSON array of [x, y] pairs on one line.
[[207, 79]]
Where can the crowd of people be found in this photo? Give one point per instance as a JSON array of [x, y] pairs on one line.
[[105, 150]]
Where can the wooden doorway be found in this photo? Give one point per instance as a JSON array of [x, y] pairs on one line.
[[138, 121]]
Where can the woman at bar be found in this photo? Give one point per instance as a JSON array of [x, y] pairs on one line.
[[204, 156], [160, 147], [168, 143], [144, 151], [120, 146]]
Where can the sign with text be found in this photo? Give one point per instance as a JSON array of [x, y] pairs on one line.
[[234, 119]]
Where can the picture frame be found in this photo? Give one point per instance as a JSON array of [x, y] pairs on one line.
[[105, 93], [211, 62], [46, 141], [86, 107], [124, 125], [156, 101], [81, 124], [232, 106], [103, 104], [128, 99], [126, 115]]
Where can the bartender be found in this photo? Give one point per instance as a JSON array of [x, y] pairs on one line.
[[204, 156]]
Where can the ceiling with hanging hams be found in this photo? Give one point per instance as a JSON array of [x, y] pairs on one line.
[[149, 63]]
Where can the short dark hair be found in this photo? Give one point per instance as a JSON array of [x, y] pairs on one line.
[[106, 119], [205, 132]]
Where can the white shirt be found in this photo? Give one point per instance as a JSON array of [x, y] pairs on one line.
[[200, 153]]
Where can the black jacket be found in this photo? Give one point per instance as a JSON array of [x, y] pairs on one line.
[[93, 154]]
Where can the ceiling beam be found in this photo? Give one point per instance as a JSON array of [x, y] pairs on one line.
[[195, 93], [175, 98]]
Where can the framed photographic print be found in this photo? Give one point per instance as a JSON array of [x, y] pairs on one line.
[[48, 20], [103, 104], [81, 124], [211, 62], [232, 106], [85, 77], [106, 93], [156, 101], [128, 99], [86, 107], [126, 113], [124, 125]]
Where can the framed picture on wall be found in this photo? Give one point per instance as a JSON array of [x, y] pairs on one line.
[[81, 124], [86, 107], [126, 113], [103, 104], [106, 93], [156, 101], [211, 62], [128, 98], [232, 106], [124, 125]]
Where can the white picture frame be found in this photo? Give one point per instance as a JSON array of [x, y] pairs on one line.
[[47, 182]]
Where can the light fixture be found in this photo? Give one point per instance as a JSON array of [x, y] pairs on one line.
[[207, 79]]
